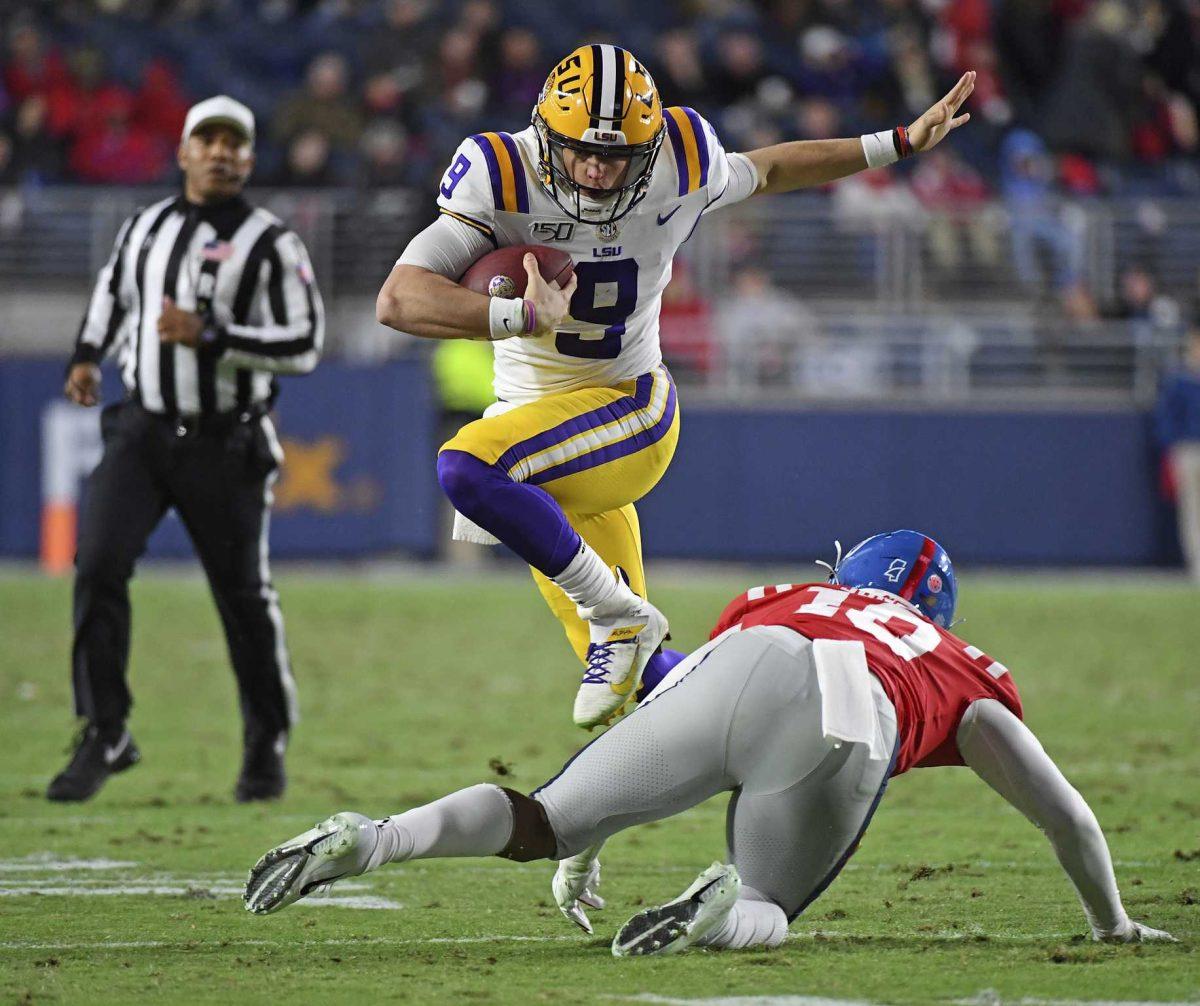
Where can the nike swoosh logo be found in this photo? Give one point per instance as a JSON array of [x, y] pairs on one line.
[[111, 754], [662, 220]]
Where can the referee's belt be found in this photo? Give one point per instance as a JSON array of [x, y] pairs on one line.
[[216, 424]]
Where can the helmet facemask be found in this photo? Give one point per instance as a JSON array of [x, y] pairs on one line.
[[569, 194]]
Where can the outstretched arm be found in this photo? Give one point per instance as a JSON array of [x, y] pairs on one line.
[[1007, 756], [802, 163]]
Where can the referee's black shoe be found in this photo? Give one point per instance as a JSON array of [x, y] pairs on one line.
[[98, 754], [262, 776]]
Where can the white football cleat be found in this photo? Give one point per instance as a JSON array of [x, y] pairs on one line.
[[621, 646], [678, 924], [338, 847], [1133, 932]]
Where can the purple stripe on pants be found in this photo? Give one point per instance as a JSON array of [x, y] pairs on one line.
[[602, 455], [579, 424]]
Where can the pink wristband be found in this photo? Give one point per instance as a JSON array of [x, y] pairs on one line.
[[530, 317]]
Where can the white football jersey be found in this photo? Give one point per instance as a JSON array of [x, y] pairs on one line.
[[492, 185]]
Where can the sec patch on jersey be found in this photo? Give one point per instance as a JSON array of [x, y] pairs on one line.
[[501, 273]]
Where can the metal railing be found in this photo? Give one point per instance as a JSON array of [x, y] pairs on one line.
[[808, 296]]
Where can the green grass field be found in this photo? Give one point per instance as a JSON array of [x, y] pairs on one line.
[[412, 688]]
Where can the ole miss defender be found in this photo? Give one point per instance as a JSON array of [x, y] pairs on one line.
[[804, 702]]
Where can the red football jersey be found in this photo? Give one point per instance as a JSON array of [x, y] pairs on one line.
[[930, 674]]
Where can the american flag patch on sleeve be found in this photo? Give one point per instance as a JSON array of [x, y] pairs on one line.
[[216, 251]]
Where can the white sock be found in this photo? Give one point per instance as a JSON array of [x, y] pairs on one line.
[[752, 922], [593, 586], [477, 821]]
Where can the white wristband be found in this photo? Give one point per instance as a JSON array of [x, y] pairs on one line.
[[506, 318], [879, 149]]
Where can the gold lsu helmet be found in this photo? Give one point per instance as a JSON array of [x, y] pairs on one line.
[[599, 100]]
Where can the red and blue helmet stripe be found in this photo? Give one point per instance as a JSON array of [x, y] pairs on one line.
[[908, 564]]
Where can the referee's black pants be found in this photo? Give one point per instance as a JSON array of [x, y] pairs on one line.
[[218, 478]]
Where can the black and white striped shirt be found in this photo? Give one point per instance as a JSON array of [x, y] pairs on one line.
[[235, 265]]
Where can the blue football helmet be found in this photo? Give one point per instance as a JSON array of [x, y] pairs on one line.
[[906, 563]]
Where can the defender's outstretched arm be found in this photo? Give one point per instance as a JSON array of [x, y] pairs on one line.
[[1008, 757], [803, 163]]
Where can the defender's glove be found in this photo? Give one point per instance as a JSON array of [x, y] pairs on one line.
[[574, 885], [1133, 932]]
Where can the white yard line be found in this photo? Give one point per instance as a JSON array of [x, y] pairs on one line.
[[43, 861], [211, 881], [15, 882], [78, 891], [364, 901]]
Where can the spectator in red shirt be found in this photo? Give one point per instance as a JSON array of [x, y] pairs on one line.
[[112, 149], [160, 104]]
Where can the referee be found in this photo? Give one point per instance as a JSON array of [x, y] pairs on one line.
[[205, 299]]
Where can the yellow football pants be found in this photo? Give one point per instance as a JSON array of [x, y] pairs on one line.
[[595, 451]]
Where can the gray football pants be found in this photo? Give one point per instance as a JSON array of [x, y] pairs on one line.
[[746, 719]]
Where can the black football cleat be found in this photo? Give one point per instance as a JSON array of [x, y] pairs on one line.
[[262, 776], [98, 754]]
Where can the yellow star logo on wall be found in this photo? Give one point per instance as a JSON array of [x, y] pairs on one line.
[[309, 475]]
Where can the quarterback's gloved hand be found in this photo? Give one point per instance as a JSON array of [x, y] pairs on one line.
[[574, 885], [1133, 932]]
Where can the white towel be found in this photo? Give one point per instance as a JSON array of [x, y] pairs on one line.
[[848, 710]]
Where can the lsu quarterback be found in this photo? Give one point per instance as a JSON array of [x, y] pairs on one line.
[[587, 419]]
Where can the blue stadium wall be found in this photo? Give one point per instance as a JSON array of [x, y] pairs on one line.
[[1007, 487]]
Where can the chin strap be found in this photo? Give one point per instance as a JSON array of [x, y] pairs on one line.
[[836, 561]]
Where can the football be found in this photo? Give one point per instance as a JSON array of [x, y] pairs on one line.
[[501, 274]]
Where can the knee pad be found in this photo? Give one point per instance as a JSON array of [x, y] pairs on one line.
[[532, 836], [461, 476]]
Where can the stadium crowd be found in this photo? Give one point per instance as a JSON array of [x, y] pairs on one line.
[[1082, 96], [1076, 101]]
